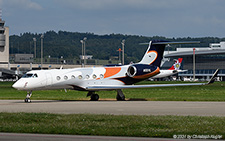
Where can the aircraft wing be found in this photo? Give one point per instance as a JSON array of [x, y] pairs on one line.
[[116, 87]]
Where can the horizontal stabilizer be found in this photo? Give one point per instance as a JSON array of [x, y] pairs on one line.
[[185, 42], [165, 43]]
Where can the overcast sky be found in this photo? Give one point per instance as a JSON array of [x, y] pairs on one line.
[[169, 18]]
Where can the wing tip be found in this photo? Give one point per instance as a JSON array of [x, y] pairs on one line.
[[213, 78]]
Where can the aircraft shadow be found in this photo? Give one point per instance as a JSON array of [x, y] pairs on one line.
[[103, 100]]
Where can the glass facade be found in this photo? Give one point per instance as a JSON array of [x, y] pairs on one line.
[[205, 66]]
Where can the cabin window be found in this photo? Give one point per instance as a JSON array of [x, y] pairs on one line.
[[58, 78], [65, 77], [94, 76], [73, 77], [80, 76], [87, 76], [101, 75]]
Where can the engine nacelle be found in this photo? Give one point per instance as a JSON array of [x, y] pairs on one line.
[[142, 71]]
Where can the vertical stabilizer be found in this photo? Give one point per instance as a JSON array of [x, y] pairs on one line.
[[154, 53], [177, 64]]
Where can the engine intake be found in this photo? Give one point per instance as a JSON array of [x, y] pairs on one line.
[[131, 71]]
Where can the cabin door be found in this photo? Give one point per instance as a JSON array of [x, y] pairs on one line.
[[48, 79]]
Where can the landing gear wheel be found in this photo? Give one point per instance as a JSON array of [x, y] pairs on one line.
[[27, 100], [94, 97], [120, 96]]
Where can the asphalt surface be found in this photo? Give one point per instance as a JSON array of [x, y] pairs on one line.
[[53, 137], [116, 107]]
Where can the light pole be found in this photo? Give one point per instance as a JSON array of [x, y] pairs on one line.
[[35, 40], [42, 37], [168, 46], [123, 43], [84, 40], [193, 64], [119, 55], [30, 46], [82, 52]]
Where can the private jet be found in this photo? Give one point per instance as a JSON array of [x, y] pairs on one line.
[[102, 78], [174, 69]]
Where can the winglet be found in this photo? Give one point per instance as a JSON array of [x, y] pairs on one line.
[[213, 78]]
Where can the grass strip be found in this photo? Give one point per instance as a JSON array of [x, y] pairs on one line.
[[213, 92], [111, 125]]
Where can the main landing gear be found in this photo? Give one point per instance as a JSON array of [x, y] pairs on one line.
[[120, 96], [94, 97], [27, 100]]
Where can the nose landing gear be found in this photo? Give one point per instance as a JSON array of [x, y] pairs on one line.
[[27, 100]]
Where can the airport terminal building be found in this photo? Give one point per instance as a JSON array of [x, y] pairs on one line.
[[207, 60]]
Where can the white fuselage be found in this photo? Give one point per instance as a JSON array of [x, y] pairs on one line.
[[77, 78], [99, 78], [166, 73]]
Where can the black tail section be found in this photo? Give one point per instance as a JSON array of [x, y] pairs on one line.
[[154, 53], [159, 48]]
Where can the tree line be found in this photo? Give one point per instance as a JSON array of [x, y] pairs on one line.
[[68, 45]]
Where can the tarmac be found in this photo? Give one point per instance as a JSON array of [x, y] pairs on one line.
[[182, 108], [53, 137]]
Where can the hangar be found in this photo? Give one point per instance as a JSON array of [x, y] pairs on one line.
[[207, 60]]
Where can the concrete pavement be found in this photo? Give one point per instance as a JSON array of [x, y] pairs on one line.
[[116, 107]]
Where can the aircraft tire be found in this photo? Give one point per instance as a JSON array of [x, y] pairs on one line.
[[94, 97], [119, 98], [27, 100]]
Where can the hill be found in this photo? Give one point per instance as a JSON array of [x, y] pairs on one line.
[[67, 44]]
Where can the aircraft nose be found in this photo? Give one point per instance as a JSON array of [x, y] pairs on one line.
[[18, 85]]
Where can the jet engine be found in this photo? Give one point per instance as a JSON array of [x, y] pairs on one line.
[[142, 71]]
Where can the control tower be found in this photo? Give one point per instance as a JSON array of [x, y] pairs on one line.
[[4, 42]]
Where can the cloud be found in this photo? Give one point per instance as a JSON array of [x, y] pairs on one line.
[[24, 4], [142, 17], [120, 4]]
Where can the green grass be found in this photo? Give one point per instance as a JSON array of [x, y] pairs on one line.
[[111, 125], [117, 125], [213, 92]]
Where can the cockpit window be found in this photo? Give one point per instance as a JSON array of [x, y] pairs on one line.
[[35, 75], [30, 75]]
